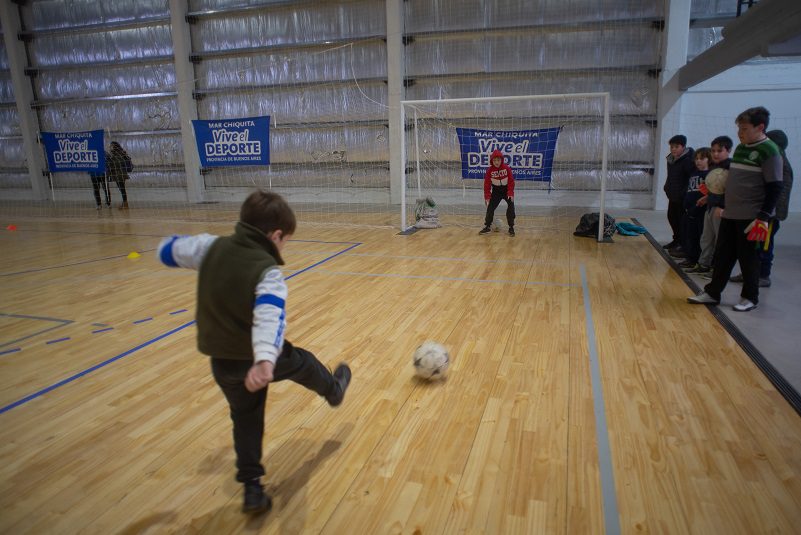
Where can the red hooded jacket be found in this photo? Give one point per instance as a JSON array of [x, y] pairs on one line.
[[498, 176]]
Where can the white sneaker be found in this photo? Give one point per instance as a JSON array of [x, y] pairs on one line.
[[703, 299], [744, 306]]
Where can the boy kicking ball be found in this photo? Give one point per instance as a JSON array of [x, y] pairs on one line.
[[241, 320]]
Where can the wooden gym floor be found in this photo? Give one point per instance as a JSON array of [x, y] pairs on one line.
[[585, 395]]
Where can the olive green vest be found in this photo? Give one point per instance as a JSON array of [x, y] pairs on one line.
[[226, 291]]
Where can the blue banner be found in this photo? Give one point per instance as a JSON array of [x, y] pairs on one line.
[[244, 141], [75, 151], [528, 152]]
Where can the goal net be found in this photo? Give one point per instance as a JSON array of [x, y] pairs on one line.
[[556, 145]]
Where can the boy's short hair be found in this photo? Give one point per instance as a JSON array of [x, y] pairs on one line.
[[703, 152], [723, 141], [754, 116], [678, 139], [268, 211]]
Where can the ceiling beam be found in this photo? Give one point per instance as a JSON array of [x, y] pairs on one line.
[[763, 29]]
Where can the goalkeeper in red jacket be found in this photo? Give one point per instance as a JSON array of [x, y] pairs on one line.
[[499, 184]]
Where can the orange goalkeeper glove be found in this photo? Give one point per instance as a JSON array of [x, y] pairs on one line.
[[757, 230]]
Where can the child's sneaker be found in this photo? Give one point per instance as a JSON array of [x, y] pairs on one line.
[[703, 299], [256, 501], [341, 381], [744, 306], [677, 253], [511, 231], [485, 230]]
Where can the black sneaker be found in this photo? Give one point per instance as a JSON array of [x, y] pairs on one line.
[[670, 245], [256, 501], [511, 231], [341, 381], [677, 253], [687, 264], [485, 230], [736, 278]]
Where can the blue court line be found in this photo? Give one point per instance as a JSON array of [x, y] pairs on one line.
[[434, 277], [41, 318], [99, 325], [57, 340], [72, 264], [11, 351], [325, 259], [142, 320], [90, 370], [103, 330], [178, 312], [135, 349], [608, 495], [61, 322]]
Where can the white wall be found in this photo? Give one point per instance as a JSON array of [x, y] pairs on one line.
[[709, 109]]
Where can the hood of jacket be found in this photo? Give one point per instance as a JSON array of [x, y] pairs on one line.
[[670, 158], [778, 137], [496, 154]]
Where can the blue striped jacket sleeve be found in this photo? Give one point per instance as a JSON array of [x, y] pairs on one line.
[[184, 251], [269, 316]]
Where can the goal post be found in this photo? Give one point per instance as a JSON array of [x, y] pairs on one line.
[[557, 146]]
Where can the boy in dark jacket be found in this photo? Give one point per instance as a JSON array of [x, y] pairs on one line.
[[680, 168], [241, 320], [693, 219]]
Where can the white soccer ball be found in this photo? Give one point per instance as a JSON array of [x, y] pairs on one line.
[[497, 225], [716, 181], [431, 361]]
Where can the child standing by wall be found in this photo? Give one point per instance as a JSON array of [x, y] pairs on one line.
[[693, 219], [719, 159], [679, 169], [499, 184], [241, 319], [752, 189]]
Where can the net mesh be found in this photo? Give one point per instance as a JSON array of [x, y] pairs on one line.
[[434, 156]]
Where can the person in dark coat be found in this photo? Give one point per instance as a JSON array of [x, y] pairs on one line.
[[680, 167]]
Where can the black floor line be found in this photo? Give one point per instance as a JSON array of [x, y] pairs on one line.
[[777, 379]]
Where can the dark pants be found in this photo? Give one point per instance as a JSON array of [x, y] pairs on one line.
[[675, 212], [766, 257], [97, 183], [497, 195], [247, 408], [121, 185], [692, 226], [732, 246]]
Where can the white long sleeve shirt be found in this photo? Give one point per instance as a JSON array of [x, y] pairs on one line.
[[269, 311]]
